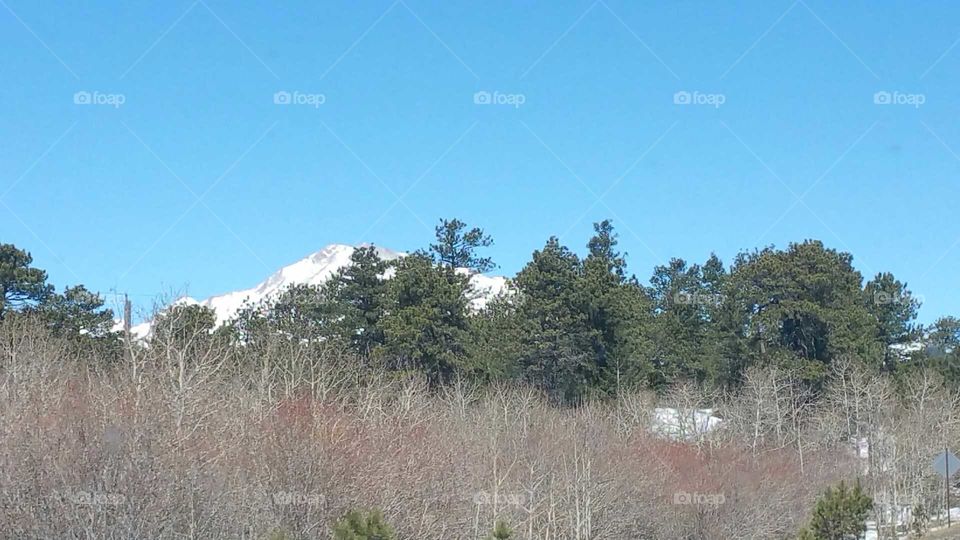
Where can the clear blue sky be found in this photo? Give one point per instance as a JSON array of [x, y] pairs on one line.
[[199, 180]]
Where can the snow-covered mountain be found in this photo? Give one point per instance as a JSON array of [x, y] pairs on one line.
[[314, 269]]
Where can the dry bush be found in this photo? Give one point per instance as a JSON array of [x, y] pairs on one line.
[[285, 439]]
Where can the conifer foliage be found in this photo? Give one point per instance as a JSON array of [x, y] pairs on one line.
[[21, 284], [841, 513], [574, 322], [361, 525]]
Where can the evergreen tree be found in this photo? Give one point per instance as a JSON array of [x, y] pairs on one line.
[[919, 521], [944, 333], [730, 332], [358, 525], [713, 277], [804, 307], [77, 313], [495, 344], [302, 312], [839, 514], [21, 285], [456, 246], [358, 295], [617, 310], [603, 253], [687, 299], [943, 349], [185, 328], [556, 340], [603, 276], [894, 310], [427, 325], [501, 531], [628, 365]]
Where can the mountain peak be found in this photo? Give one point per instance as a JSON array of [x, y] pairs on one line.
[[315, 269]]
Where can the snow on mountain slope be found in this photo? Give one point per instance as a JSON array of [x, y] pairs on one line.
[[485, 288], [313, 270]]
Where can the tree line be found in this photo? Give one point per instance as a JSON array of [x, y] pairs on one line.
[[573, 326]]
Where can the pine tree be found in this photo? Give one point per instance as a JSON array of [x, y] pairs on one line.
[[943, 349], [21, 285], [687, 302], [495, 341], [894, 310], [804, 306], [302, 313], [184, 327], [618, 312], [427, 325], [359, 525], [501, 531], [839, 514], [77, 313], [456, 246], [603, 275], [944, 333], [358, 295], [556, 339]]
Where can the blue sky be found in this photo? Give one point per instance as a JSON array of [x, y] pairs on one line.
[[199, 180]]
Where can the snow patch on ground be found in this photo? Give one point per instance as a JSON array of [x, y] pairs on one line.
[[682, 424]]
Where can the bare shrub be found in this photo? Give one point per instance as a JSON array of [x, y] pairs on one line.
[[284, 439]]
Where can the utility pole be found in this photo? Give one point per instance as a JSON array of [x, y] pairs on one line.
[[127, 310], [127, 315], [946, 484]]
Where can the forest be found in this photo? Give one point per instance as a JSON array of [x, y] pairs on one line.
[[381, 404]]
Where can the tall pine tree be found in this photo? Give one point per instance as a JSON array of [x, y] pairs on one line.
[[804, 307], [456, 246], [358, 294], [557, 340], [894, 310], [427, 325], [21, 285], [618, 313]]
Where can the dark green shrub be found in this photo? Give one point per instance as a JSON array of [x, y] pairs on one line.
[[360, 525], [840, 513]]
